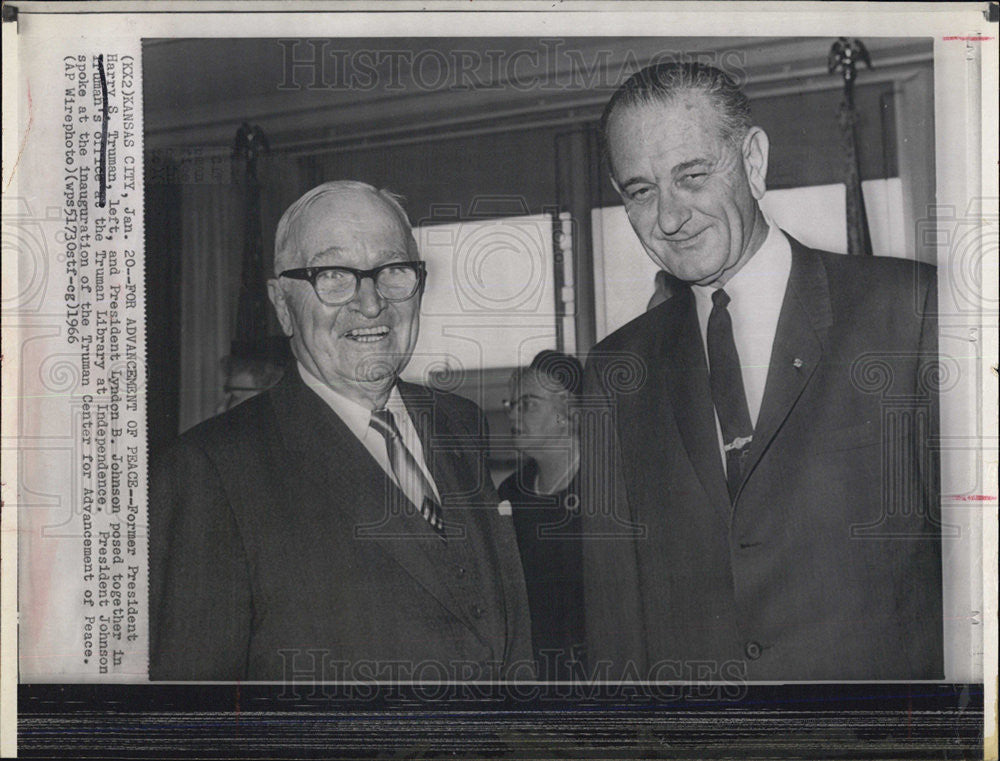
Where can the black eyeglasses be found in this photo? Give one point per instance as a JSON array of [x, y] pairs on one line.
[[526, 403], [334, 286]]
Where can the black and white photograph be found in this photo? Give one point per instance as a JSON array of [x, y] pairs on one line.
[[465, 383]]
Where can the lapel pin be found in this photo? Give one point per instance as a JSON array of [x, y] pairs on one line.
[[797, 363]]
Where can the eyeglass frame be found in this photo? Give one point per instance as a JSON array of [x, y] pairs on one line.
[[518, 406], [309, 274]]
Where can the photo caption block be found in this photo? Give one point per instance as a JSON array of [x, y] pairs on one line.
[[82, 455]]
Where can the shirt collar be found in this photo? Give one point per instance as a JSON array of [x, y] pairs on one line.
[[357, 417]]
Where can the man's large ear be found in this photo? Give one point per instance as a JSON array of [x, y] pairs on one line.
[[755, 151], [277, 296]]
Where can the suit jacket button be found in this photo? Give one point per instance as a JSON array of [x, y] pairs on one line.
[[477, 611], [460, 571], [753, 650]]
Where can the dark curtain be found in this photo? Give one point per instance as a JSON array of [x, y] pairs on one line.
[[194, 246]]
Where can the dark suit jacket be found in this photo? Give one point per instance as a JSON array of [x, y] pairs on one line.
[[828, 565], [276, 551]]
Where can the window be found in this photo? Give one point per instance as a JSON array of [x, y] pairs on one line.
[[490, 296]]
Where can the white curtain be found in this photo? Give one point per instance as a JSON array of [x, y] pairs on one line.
[[211, 249]]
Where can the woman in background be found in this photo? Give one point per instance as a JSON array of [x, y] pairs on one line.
[[546, 507]]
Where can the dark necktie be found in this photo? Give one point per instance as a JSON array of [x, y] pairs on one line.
[[410, 477], [728, 394]]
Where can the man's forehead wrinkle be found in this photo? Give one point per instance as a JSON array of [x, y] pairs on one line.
[[319, 257], [664, 165], [697, 162], [351, 224]]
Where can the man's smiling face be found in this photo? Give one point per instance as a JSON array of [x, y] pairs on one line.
[[690, 194], [357, 348]]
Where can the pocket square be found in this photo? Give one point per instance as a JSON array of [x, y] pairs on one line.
[[504, 508]]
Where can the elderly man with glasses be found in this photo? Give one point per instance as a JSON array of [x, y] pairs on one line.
[[343, 524]]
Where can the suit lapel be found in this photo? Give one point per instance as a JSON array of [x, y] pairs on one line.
[[443, 455], [431, 422], [798, 347], [357, 486], [682, 356]]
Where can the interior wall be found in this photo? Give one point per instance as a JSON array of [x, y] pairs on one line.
[[806, 140], [441, 180], [521, 163]]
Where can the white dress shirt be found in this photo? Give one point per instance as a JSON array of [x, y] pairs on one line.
[[756, 293], [358, 419]]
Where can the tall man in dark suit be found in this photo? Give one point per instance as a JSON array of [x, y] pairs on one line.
[[765, 502], [343, 524]]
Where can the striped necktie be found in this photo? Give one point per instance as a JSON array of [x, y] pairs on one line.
[[728, 394], [410, 477]]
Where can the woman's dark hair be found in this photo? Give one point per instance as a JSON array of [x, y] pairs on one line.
[[562, 370]]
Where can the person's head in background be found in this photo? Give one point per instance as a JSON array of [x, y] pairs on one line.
[[245, 378], [541, 406], [665, 287]]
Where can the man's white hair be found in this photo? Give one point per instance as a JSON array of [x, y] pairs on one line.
[[286, 239]]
